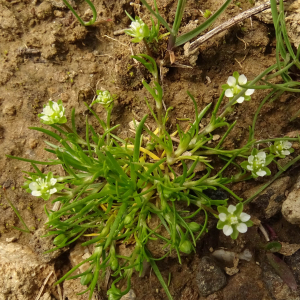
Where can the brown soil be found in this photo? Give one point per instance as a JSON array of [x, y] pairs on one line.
[[46, 54]]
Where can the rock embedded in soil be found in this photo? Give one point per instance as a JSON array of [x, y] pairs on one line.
[[291, 206], [276, 287], [209, 277], [41, 244], [293, 262], [22, 274], [269, 202]]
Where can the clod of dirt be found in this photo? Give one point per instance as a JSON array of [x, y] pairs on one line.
[[76, 34], [269, 202], [44, 10], [41, 244], [9, 109], [209, 277], [22, 274], [246, 285], [277, 288], [291, 206]]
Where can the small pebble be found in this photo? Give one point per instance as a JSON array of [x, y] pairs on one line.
[[32, 143], [12, 239]]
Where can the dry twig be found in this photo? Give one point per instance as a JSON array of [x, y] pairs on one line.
[[244, 15]]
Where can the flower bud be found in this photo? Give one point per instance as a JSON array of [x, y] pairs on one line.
[[105, 231], [194, 227], [86, 279], [114, 263], [186, 247], [128, 219], [59, 239]]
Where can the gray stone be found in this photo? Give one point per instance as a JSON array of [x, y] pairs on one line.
[[293, 262], [291, 206], [210, 278], [277, 288], [269, 202]]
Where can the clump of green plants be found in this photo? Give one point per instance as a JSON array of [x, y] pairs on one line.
[[114, 187]]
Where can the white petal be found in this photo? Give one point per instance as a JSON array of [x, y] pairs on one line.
[[222, 217], [240, 100], [231, 208], [33, 186], [45, 118], [249, 92], [250, 159], [261, 155], [285, 152], [53, 181], [231, 81], [287, 145], [227, 230], [250, 168], [36, 193], [47, 110], [229, 93], [55, 106], [242, 228], [52, 191], [244, 217], [242, 79], [261, 173]]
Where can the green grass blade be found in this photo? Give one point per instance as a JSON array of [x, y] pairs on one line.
[[157, 16], [159, 276], [190, 35], [178, 16]]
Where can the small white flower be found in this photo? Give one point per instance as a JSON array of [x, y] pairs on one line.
[[53, 113], [232, 220], [43, 186], [283, 148], [233, 87], [256, 163], [104, 98], [138, 30]]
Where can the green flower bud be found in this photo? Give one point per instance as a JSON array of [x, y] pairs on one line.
[[105, 231], [128, 219], [186, 247], [114, 263], [86, 279], [194, 226], [59, 239]]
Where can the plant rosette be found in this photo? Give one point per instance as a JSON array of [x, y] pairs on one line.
[[232, 87], [138, 30], [282, 148], [43, 186], [257, 163], [104, 98], [53, 113], [233, 220]]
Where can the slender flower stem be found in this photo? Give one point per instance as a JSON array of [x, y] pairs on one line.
[[92, 21]]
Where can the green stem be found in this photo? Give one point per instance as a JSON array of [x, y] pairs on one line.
[[92, 21]]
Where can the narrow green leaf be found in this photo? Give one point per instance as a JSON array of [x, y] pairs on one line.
[[190, 35]]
